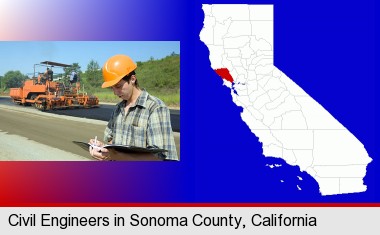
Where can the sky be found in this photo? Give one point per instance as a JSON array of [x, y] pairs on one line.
[[23, 55]]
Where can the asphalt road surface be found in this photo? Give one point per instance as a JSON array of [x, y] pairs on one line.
[[102, 113]]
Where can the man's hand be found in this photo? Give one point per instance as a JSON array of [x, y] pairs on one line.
[[97, 151]]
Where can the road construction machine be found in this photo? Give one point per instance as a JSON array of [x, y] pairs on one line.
[[45, 91]]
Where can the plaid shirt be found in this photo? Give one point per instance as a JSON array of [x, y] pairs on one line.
[[146, 124]]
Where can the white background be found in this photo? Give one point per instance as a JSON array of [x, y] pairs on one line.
[[330, 220]]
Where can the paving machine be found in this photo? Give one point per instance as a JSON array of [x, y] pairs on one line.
[[44, 93]]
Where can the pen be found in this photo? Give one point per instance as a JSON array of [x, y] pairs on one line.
[[95, 144]]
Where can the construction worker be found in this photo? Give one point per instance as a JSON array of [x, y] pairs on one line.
[[139, 120], [48, 74], [73, 77], [41, 79]]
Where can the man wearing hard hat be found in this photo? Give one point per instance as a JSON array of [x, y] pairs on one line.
[[139, 120]]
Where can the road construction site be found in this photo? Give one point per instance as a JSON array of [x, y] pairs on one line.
[[28, 134]]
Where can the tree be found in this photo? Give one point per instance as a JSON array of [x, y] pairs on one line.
[[1, 82], [94, 74], [14, 79]]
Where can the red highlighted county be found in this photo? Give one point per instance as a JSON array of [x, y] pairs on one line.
[[225, 74]]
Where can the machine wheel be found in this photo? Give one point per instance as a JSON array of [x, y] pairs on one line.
[[32, 98], [44, 105]]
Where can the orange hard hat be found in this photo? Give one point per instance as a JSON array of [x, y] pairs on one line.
[[115, 68]]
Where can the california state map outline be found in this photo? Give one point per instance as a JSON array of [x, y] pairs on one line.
[[289, 123]]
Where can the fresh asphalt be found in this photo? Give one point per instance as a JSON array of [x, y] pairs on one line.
[[103, 112]]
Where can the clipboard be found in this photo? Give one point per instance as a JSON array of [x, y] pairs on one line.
[[122, 148]]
